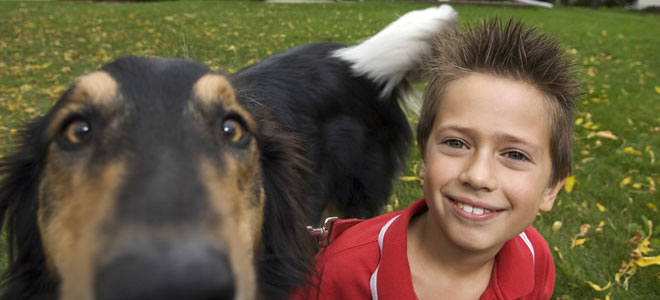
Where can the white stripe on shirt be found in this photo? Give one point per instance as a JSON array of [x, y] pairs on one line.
[[374, 277], [525, 239]]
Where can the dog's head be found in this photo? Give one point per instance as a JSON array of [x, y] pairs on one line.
[[149, 180]]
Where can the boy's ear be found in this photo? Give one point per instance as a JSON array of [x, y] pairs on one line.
[[422, 172], [550, 195]]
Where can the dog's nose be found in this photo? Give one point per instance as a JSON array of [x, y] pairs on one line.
[[191, 272]]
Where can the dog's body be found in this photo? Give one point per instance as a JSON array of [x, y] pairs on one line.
[[159, 179], [354, 139]]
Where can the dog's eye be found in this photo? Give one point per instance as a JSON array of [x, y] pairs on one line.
[[234, 131], [75, 133]]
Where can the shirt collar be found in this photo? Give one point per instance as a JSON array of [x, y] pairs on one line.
[[394, 278], [513, 271]]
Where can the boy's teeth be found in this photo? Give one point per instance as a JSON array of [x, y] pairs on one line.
[[473, 210]]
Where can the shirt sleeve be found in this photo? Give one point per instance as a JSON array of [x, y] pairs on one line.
[[341, 275], [544, 269], [549, 278]]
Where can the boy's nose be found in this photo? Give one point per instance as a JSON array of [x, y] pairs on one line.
[[479, 173]]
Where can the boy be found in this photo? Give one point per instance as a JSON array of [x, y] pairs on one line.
[[495, 138]]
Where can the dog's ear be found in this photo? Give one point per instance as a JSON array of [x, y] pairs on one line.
[[286, 255], [26, 275]]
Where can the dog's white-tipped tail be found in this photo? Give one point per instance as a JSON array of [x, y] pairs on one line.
[[400, 47]]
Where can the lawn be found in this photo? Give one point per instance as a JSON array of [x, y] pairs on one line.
[[607, 211]]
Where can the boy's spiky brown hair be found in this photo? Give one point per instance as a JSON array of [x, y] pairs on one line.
[[509, 50]]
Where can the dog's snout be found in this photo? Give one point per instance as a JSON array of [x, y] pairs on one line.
[[194, 272]]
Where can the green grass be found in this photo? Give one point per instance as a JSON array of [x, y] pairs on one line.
[[45, 45]]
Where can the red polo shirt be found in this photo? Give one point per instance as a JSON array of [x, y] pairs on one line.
[[369, 261]]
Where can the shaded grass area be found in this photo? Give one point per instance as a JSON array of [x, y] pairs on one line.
[[45, 45]]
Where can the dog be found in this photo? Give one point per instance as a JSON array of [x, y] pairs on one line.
[[156, 178]]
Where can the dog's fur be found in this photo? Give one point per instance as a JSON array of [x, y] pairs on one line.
[[159, 179]]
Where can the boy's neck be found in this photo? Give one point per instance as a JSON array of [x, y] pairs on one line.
[[432, 256]]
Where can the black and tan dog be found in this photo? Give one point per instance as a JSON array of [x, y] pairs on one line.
[[159, 179]]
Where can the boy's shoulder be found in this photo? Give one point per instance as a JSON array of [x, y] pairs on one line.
[[361, 241], [351, 258], [536, 244], [358, 237], [528, 247], [524, 268]]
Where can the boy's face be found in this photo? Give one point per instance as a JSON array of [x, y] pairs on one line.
[[487, 162]]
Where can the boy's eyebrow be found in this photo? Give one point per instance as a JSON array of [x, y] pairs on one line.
[[514, 139], [465, 130]]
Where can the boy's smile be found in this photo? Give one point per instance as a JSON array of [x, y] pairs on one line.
[[470, 209], [487, 164]]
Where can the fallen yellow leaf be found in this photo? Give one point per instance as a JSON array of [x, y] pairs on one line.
[[643, 246], [598, 288], [636, 239], [625, 181], [651, 185], [591, 72], [600, 207], [584, 229], [577, 242], [561, 256], [556, 226], [657, 89], [606, 134], [590, 88], [652, 157], [626, 271], [590, 125], [410, 178], [647, 261], [570, 183], [599, 229], [587, 159], [632, 151]]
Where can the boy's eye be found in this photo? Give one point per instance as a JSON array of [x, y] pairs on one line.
[[454, 143], [515, 155]]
